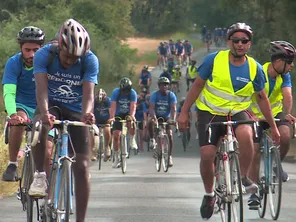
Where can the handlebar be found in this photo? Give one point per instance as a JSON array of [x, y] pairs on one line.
[[164, 123], [76, 123]]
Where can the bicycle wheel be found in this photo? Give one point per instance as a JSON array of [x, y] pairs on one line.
[[100, 150], [123, 153], [263, 186], [275, 183], [220, 185], [185, 140], [64, 195], [237, 193], [165, 152], [25, 182], [159, 155]]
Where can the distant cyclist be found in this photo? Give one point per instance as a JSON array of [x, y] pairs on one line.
[[166, 74], [188, 50], [172, 47], [191, 73], [208, 40], [171, 64], [102, 105], [145, 79]]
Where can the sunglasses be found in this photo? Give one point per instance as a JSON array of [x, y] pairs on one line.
[[237, 40]]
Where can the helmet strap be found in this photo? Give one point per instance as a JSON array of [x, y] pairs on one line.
[[278, 72]]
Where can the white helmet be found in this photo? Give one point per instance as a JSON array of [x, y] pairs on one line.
[[73, 38]]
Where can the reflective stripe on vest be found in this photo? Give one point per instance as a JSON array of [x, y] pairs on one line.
[[218, 96], [275, 98], [192, 73]]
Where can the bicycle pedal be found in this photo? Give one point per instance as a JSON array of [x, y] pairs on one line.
[[254, 207]]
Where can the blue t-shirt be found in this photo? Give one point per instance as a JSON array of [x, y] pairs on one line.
[[188, 47], [286, 82], [123, 103], [141, 109], [162, 50], [179, 49], [16, 73], [145, 78], [65, 85], [163, 103], [240, 75], [101, 111]]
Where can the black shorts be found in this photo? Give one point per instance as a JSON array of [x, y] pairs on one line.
[[118, 125], [264, 126], [173, 52], [100, 121], [205, 118], [79, 135]]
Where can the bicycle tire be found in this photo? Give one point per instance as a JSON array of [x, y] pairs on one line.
[[123, 153], [263, 188], [65, 190], [25, 182], [158, 160], [274, 155], [165, 153], [236, 187], [100, 151]]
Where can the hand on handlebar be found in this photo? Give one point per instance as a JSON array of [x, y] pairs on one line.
[[15, 119], [48, 119], [88, 118], [290, 118]]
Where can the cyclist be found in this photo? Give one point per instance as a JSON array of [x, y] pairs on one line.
[[146, 117], [123, 104], [176, 76], [279, 90], [181, 103], [166, 74], [172, 47], [227, 80], [102, 106], [191, 73], [145, 78], [208, 40], [162, 53], [180, 52], [162, 104], [188, 50], [66, 74], [171, 64], [203, 32], [19, 92], [140, 110]]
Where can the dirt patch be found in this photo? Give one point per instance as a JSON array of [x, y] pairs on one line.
[[143, 44]]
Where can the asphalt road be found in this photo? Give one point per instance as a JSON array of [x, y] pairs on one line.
[[143, 194]]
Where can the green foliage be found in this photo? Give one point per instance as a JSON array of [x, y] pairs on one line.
[[106, 23]]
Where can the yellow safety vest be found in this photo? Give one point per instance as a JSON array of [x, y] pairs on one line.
[[192, 73], [175, 75], [218, 96], [275, 98]]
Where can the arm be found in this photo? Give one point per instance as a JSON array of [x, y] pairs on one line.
[[265, 108], [133, 107], [87, 97], [9, 96], [112, 109], [152, 110], [173, 111], [287, 99], [42, 92]]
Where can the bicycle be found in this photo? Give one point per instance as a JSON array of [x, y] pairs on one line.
[[58, 203], [228, 186], [28, 170], [271, 177], [162, 145], [123, 143], [100, 142]]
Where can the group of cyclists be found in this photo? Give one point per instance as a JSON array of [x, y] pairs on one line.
[[226, 84], [182, 50], [218, 35]]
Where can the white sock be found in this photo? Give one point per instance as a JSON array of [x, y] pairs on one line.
[[15, 163], [210, 194], [40, 173]]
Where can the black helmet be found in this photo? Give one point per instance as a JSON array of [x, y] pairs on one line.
[[145, 68], [125, 84], [239, 27], [164, 80], [193, 62], [282, 49], [31, 34]]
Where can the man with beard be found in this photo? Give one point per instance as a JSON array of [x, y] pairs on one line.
[[223, 91], [19, 91]]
